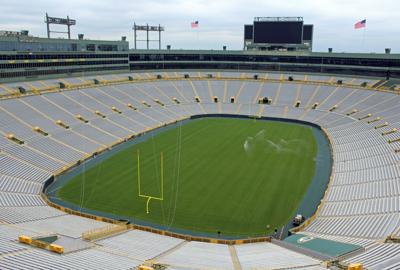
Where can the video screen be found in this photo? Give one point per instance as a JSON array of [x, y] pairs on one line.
[[278, 32], [308, 32], [248, 32]]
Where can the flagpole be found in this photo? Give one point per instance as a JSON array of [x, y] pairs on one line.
[[195, 28], [197, 32], [362, 24], [363, 38]]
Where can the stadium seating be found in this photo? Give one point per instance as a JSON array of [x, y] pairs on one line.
[[361, 206]]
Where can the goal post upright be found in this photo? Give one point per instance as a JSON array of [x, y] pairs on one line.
[[138, 170], [148, 197], [162, 174]]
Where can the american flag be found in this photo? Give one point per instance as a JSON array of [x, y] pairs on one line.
[[195, 24], [360, 24]]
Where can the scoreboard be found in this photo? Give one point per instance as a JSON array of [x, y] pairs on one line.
[[278, 32]]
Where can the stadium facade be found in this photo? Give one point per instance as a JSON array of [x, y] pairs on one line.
[[22, 41], [37, 65], [23, 57]]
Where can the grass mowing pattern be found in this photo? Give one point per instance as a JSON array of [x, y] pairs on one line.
[[231, 175]]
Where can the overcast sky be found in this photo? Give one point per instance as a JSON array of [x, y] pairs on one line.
[[221, 21]]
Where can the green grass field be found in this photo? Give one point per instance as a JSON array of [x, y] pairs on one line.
[[236, 176]]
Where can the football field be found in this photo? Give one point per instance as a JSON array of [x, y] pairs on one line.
[[240, 177]]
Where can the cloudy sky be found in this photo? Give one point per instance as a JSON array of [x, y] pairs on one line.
[[221, 21]]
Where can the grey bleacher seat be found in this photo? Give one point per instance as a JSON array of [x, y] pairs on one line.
[[361, 205], [139, 244], [267, 255]]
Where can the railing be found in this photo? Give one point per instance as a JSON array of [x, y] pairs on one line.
[[99, 233], [178, 235]]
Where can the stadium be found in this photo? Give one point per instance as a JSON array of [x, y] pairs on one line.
[[197, 159]]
